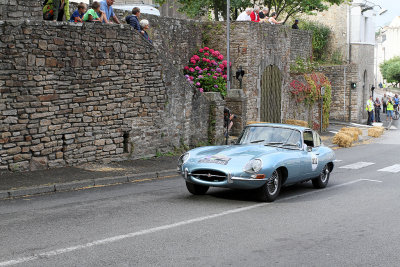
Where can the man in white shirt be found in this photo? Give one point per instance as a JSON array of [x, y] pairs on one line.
[[245, 16]]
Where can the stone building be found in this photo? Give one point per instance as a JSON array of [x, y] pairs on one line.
[[387, 46], [353, 38]]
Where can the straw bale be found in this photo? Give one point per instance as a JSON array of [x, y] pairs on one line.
[[376, 131], [352, 131], [343, 139], [297, 122], [253, 122]]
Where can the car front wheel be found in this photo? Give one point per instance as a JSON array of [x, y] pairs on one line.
[[322, 180], [270, 190], [196, 189]]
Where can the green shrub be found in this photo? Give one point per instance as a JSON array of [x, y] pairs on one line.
[[320, 38]]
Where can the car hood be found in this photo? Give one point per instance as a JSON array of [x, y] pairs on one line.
[[230, 155]]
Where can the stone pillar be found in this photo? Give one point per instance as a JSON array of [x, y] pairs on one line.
[[236, 102], [216, 118]]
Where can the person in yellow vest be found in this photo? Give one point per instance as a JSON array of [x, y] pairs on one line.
[[370, 109], [389, 109]]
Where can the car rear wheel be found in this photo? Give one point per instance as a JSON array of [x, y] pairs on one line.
[[270, 190], [196, 189], [322, 180]]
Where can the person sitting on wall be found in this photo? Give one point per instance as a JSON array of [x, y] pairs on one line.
[[55, 10], [78, 14], [245, 16], [255, 14], [273, 20], [92, 15], [106, 7], [133, 20], [144, 24]]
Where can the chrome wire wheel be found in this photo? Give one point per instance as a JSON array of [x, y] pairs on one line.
[[273, 183], [324, 174]]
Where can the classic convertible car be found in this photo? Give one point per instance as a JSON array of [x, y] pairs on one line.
[[266, 157]]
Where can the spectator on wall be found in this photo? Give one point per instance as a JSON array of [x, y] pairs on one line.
[[245, 16], [77, 16], [92, 15], [295, 25], [255, 14], [106, 7], [263, 14], [55, 10], [144, 24], [133, 20], [273, 20]]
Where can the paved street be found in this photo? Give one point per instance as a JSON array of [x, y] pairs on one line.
[[353, 222]]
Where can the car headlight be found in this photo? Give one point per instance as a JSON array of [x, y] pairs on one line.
[[253, 166], [182, 159]]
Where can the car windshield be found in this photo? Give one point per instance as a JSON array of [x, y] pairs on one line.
[[271, 136]]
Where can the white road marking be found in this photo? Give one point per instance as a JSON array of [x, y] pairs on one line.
[[334, 132], [357, 165], [157, 229], [337, 160], [394, 168], [376, 181]]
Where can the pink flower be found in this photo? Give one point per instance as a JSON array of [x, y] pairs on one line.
[[198, 84], [215, 86], [217, 52], [201, 90], [201, 50], [225, 63], [186, 67], [215, 77], [191, 78], [209, 74], [206, 54], [221, 66], [212, 50], [196, 57], [220, 57], [191, 82], [200, 71], [191, 70], [193, 61], [206, 48], [200, 77], [197, 68], [218, 70], [208, 60], [204, 59], [225, 77]]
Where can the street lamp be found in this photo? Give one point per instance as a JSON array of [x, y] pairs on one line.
[[322, 105]]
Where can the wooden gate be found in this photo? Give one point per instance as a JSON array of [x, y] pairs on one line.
[[271, 93]]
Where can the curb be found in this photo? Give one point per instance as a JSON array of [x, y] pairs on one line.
[[86, 184]]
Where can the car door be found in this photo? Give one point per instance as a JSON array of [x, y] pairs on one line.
[[315, 155], [308, 157]]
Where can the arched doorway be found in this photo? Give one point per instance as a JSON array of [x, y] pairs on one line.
[[271, 94]]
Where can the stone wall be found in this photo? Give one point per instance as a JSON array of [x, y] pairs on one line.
[[343, 96], [73, 93], [18, 9]]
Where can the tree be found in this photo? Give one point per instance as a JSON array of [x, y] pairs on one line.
[[390, 70], [287, 8]]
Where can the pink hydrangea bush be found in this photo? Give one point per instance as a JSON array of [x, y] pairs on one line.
[[207, 71]]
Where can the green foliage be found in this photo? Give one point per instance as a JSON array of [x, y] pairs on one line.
[[390, 70], [320, 38], [303, 66], [337, 57], [287, 8]]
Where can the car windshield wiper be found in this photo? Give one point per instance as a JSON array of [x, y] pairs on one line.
[[273, 143], [257, 141], [291, 144]]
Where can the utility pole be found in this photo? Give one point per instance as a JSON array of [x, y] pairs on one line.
[[228, 28]]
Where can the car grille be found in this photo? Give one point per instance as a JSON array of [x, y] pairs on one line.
[[209, 175]]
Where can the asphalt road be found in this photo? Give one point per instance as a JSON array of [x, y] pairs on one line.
[[355, 221]]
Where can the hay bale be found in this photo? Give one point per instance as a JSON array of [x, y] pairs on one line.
[[343, 139], [296, 122], [352, 131], [376, 131]]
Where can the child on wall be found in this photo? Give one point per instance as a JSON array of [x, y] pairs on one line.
[[55, 10], [95, 14], [78, 14]]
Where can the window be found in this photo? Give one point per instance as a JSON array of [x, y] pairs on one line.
[[308, 138]]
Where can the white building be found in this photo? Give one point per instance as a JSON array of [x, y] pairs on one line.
[[387, 46]]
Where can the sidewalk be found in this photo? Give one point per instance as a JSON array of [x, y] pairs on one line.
[[16, 184]]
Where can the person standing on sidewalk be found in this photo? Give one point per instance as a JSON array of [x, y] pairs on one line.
[[370, 109], [377, 107], [384, 101], [389, 110]]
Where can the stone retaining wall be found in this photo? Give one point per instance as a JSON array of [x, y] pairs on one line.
[[21, 9], [73, 93]]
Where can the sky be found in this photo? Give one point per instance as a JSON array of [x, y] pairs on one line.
[[393, 7]]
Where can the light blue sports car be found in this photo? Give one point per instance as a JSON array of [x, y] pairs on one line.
[[266, 157]]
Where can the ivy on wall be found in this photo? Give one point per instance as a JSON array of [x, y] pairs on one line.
[[310, 92]]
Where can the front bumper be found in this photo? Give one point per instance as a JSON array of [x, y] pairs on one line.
[[230, 181]]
